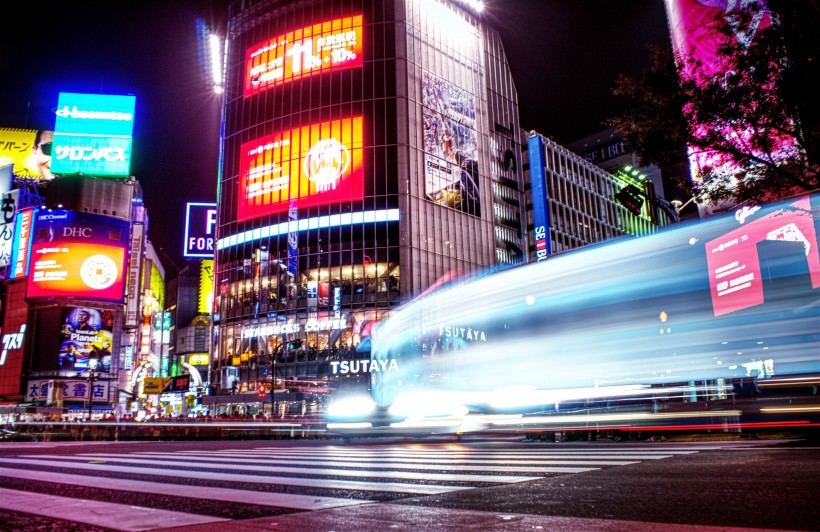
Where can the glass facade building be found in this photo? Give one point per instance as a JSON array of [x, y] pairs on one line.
[[370, 148]]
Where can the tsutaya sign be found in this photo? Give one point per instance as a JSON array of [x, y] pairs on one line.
[[364, 366], [311, 325], [12, 341]]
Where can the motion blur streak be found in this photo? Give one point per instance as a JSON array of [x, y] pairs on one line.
[[716, 320]]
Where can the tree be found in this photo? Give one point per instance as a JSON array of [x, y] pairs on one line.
[[760, 120]]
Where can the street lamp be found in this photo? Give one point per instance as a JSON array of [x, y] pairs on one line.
[[92, 366]]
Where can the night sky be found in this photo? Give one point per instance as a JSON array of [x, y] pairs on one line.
[[565, 56]]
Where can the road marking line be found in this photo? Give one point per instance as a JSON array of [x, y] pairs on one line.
[[353, 485], [97, 513], [396, 467], [262, 498]]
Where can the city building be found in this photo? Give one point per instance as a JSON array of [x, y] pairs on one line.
[[572, 202], [369, 150], [78, 272]]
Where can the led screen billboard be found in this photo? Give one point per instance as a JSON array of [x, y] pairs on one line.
[[79, 255], [330, 45], [318, 164], [450, 145], [92, 134], [86, 333], [735, 273]]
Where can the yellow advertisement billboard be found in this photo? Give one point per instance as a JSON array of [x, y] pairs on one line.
[[153, 385], [28, 150], [206, 286]]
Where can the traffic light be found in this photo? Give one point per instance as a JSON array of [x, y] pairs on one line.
[[261, 391], [294, 344], [630, 197]]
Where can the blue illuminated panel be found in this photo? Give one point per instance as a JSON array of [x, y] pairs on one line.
[[540, 211], [92, 134]]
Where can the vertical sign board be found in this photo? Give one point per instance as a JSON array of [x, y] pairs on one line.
[[206, 287], [540, 206], [8, 212], [133, 286], [200, 223], [92, 134], [21, 245]]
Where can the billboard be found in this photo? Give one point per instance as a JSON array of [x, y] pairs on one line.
[[93, 134], [8, 216], [21, 244], [450, 145], [200, 225], [28, 150], [206, 287], [735, 273], [86, 333], [72, 390], [318, 164], [323, 47], [78, 255]]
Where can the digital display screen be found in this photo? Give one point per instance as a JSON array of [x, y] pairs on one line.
[[330, 45], [92, 134], [77, 255], [318, 164], [735, 275], [86, 333]]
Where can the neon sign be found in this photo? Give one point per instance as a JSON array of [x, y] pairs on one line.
[[331, 45]]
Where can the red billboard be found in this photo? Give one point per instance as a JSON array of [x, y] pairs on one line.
[[735, 276], [318, 164], [330, 45], [77, 255]]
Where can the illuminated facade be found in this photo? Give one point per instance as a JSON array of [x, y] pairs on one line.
[[369, 149], [572, 203]]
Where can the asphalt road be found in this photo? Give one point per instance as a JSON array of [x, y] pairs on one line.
[[757, 484]]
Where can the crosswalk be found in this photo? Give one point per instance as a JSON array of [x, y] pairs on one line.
[[147, 490]]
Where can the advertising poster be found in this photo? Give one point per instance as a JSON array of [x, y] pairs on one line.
[[77, 254], [330, 45], [86, 333], [734, 263], [28, 150], [450, 145], [206, 287], [319, 164]]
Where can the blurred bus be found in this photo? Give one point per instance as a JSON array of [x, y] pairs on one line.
[[705, 322]]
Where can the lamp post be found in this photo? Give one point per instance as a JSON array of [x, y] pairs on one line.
[[92, 367]]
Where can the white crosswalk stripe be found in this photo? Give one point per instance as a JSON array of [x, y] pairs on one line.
[[283, 479]]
